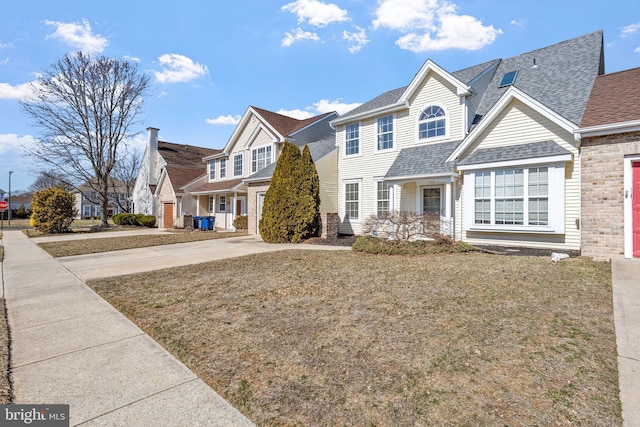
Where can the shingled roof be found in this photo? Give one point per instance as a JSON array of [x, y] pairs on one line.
[[186, 156], [614, 99], [559, 76], [180, 176], [286, 125]]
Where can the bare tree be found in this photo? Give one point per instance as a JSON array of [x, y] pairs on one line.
[[50, 179], [125, 173], [85, 107]]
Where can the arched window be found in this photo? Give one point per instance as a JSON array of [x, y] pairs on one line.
[[432, 122]]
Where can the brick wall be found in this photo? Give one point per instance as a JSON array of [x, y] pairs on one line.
[[602, 208], [329, 225]]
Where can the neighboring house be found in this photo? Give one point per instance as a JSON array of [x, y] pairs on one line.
[[165, 169], [20, 200], [610, 152], [239, 176], [88, 203], [489, 148]]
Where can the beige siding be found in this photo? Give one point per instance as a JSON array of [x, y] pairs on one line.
[[327, 168], [519, 124], [371, 166], [166, 195]]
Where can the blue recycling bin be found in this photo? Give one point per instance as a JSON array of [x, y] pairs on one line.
[[197, 222], [208, 223]]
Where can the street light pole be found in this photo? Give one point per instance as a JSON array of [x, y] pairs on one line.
[[10, 172]]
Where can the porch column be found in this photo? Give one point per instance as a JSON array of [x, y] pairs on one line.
[[447, 200], [234, 213], [197, 205]]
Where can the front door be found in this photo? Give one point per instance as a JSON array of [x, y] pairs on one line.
[[238, 207], [635, 208], [432, 200], [168, 215]]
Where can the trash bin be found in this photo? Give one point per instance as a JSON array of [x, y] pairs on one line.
[[207, 223], [197, 222]]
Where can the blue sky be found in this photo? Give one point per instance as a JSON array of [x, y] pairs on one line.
[[209, 61]]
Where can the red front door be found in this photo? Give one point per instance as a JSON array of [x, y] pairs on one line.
[[635, 208], [238, 207]]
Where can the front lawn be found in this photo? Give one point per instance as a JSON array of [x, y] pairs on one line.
[[107, 244], [342, 338]]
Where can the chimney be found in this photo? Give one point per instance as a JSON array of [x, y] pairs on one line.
[[152, 147]]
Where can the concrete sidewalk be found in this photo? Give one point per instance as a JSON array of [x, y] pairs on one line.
[[109, 264], [626, 309], [69, 346]]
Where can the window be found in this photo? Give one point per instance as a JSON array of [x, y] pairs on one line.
[[352, 139], [87, 210], [383, 197], [260, 157], [212, 203], [212, 170], [223, 168], [538, 196], [432, 122], [385, 133], [512, 197], [237, 165], [352, 200], [98, 211], [222, 203]]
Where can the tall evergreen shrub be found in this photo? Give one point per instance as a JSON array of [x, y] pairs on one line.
[[52, 210], [291, 205]]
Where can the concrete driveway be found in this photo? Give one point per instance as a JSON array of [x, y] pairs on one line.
[[109, 264]]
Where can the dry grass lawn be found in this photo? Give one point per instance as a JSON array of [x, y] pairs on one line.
[[319, 338], [108, 244]]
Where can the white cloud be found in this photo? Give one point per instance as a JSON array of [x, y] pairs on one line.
[[21, 91], [224, 120], [630, 29], [298, 35], [319, 107], [12, 143], [5, 61], [326, 106], [518, 22], [296, 114], [433, 25], [78, 35], [636, 50], [179, 68], [5, 45], [315, 12], [132, 58], [357, 40]]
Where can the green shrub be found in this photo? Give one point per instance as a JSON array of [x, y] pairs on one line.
[[378, 246], [53, 210], [241, 222], [291, 204], [147, 221], [117, 219]]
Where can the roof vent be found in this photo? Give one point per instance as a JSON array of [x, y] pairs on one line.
[[534, 63], [509, 78]]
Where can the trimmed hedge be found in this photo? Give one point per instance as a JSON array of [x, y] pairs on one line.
[[378, 246], [138, 220]]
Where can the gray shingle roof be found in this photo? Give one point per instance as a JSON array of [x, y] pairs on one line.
[[515, 152], [423, 160], [562, 79], [318, 150]]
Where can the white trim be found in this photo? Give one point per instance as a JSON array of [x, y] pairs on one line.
[[234, 155], [608, 129], [461, 88], [272, 151], [443, 197], [511, 94], [344, 200], [521, 162], [359, 153], [628, 207], [447, 122], [394, 134], [556, 203], [386, 110], [390, 187], [402, 179]]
